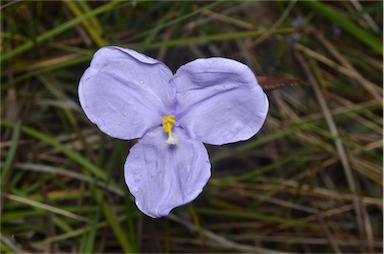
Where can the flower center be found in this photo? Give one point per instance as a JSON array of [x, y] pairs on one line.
[[169, 122]]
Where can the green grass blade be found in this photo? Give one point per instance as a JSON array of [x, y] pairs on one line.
[[113, 221], [88, 241], [11, 153], [99, 173], [57, 30], [46, 207], [255, 216], [217, 37], [92, 27], [359, 33], [172, 22]]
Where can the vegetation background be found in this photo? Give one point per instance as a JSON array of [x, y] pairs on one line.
[[309, 182]]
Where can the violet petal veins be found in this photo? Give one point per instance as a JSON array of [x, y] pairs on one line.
[[125, 93], [219, 100], [129, 95], [163, 176]]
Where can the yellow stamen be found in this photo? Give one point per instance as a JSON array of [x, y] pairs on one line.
[[169, 122]]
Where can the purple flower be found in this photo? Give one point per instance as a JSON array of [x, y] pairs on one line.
[[129, 95]]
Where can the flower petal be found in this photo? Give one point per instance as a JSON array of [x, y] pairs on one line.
[[163, 176], [125, 93], [219, 101]]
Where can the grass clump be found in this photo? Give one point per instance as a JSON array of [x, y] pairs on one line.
[[310, 181]]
